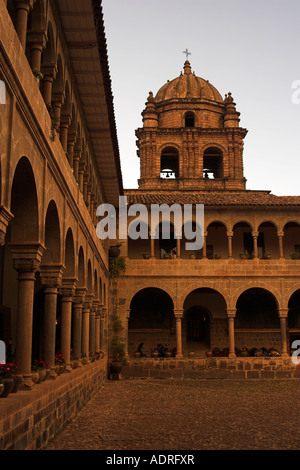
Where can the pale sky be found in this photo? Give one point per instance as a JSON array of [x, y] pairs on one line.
[[247, 47]]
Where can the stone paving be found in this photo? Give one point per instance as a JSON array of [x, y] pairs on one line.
[[171, 414]]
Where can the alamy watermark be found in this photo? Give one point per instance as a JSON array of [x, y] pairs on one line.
[[2, 352], [296, 93], [187, 221], [2, 92]]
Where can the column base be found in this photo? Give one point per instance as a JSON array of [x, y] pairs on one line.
[[68, 368], [27, 383], [232, 355], [179, 356]]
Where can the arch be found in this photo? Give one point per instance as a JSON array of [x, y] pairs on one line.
[[89, 277], [49, 53], [52, 235], [213, 163], [104, 294], [291, 239], [37, 16], [169, 163], [66, 110], [100, 290], [267, 240], [81, 268], [216, 240], [257, 308], [69, 254], [58, 84], [242, 239], [96, 292], [24, 204], [252, 283], [205, 286]]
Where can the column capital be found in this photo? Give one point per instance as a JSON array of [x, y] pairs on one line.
[[37, 39], [51, 275], [178, 313], [280, 233], [49, 70], [27, 257], [79, 295], [282, 312], [231, 312], [255, 233], [68, 287], [229, 234]]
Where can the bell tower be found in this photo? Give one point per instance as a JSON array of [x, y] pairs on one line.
[[191, 138]]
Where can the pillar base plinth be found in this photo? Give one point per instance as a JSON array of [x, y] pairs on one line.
[[232, 355], [27, 383], [179, 356], [68, 368]]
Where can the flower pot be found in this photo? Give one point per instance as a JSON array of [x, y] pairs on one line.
[[244, 353], [192, 256], [137, 354], [146, 255], [42, 375], [114, 252], [8, 383], [258, 353], [274, 353], [1, 388], [154, 354], [115, 367], [209, 353], [35, 377], [17, 382], [168, 354], [191, 353]]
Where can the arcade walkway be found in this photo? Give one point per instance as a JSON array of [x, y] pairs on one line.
[[170, 414]]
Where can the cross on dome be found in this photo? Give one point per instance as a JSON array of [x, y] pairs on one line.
[[187, 53]]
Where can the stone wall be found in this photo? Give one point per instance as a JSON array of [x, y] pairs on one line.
[[212, 368], [29, 419]]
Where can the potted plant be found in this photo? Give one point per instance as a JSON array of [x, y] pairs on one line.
[[114, 250], [154, 352], [7, 379], [209, 353], [60, 363], [191, 353], [146, 255], [117, 266], [38, 74], [244, 352], [273, 352], [192, 255], [166, 256], [267, 256], [117, 349], [295, 255], [244, 255], [217, 256]]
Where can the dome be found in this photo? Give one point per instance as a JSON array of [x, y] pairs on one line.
[[188, 86]]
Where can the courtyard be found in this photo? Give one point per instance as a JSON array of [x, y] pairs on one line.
[[190, 414]]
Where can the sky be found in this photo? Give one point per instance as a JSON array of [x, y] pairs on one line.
[[248, 47]]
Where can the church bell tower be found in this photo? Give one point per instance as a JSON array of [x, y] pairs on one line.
[[190, 139]]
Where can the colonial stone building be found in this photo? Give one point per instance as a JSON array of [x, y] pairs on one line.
[[59, 161], [241, 290]]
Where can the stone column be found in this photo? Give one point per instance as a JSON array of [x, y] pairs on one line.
[[178, 317], [67, 291], [152, 245], [26, 260], [283, 314], [49, 72], [231, 312], [5, 218], [97, 329], [178, 244], [204, 245], [280, 242], [127, 316], [76, 159], [80, 175], [104, 333], [37, 41], [78, 301], [57, 102], [92, 331], [229, 238], [101, 330], [255, 249], [86, 324], [65, 122], [22, 8], [51, 277]]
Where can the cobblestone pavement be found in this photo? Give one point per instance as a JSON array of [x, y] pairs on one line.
[[170, 414]]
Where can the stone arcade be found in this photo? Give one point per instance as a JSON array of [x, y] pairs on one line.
[[60, 161]]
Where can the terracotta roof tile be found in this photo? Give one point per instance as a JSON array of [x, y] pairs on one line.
[[228, 198]]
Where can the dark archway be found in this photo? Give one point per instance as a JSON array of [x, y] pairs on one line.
[[294, 318], [169, 163], [197, 325], [152, 320]]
